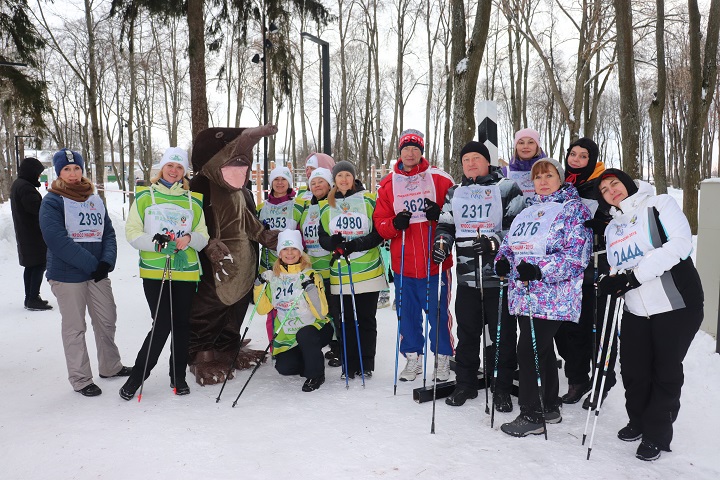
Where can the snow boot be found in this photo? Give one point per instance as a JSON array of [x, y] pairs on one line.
[[367, 373], [460, 395], [312, 384], [443, 369], [412, 368], [37, 305], [588, 405], [629, 433], [523, 426], [503, 402], [127, 391], [383, 300], [648, 451], [182, 387], [576, 392]]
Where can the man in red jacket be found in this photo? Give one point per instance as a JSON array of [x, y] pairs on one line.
[[409, 201]]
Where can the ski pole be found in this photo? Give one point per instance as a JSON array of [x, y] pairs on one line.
[[437, 340], [152, 330], [399, 310], [596, 368], [342, 322], [596, 247], [618, 308], [237, 352], [267, 349], [537, 363], [479, 282], [357, 321], [427, 306], [497, 354]]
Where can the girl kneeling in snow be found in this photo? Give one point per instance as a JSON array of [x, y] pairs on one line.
[[302, 329]]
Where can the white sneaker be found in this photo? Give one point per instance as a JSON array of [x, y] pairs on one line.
[[383, 300], [443, 369], [412, 368]]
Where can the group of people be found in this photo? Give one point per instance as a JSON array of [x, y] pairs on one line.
[[540, 248]]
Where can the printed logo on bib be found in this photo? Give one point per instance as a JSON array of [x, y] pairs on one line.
[[84, 220]]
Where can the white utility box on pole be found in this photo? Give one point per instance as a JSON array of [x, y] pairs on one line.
[[708, 253]]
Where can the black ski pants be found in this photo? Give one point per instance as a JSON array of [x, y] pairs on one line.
[[306, 359], [529, 399], [651, 355], [182, 297], [366, 304], [469, 314], [32, 277]]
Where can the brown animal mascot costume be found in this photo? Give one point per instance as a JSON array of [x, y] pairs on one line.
[[222, 160]]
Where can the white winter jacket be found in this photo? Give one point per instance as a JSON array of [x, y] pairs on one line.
[[668, 279]]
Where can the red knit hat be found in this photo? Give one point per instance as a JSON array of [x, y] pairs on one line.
[[413, 138]]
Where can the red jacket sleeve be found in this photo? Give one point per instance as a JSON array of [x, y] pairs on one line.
[[384, 211]]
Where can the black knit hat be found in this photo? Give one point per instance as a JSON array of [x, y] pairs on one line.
[[477, 147], [626, 180], [343, 166], [581, 175]]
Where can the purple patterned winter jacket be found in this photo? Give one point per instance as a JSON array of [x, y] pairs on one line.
[[558, 296]]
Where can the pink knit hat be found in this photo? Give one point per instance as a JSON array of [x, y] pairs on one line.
[[527, 132]]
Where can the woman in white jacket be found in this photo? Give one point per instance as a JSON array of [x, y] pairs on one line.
[[648, 247]]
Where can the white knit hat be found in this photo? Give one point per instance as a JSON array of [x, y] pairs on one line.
[[323, 173], [177, 155], [283, 172], [289, 239]]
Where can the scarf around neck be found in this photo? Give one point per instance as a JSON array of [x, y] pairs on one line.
[[78, 192]]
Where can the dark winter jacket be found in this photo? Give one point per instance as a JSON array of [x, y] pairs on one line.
[[512, 203], [69, 261], [25, 204]]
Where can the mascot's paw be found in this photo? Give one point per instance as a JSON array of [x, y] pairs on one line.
[[211, 373], [248, 358]]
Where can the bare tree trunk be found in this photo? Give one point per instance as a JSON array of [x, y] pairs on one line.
[[93, 104], [629, 115], [657, 106], [703, 77], [196, 53], [466, 68]]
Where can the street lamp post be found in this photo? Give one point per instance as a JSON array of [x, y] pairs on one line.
[[325, 87], [272, 28]]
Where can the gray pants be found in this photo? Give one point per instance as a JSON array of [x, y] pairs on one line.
[[73, 299]]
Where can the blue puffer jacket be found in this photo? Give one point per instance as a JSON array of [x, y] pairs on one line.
[[69, 261], [558, 295]]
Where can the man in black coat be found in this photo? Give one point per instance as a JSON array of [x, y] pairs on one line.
[[25, 204]]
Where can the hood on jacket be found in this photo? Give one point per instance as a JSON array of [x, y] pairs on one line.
[[217, 148], [30, 169]]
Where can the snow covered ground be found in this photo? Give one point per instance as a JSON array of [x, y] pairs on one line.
[[47, 431]]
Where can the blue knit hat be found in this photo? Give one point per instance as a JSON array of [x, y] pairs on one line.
[[66, 157]]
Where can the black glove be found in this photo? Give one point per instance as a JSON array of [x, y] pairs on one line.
[[484, 245], [402, 220], [337, 253], [597, 226], [440, 251], [261, 278], [502, 267], [336, 240], [266, 224], [349, 247], [528, 271], [308, 281], [432, 210], [161, 240], [101, 272], [617, 285]]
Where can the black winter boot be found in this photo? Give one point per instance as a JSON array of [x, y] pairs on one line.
[[460, 395], [312, 384], [648, 451], [37, 305], [576, 392]]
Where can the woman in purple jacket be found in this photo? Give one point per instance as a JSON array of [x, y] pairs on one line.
[[544, 256]]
